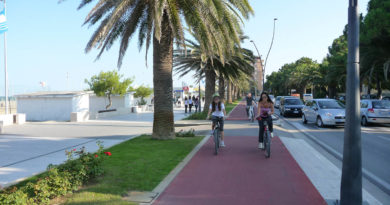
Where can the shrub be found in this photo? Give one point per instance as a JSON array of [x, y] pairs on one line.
[[80, 167], [190, 133]]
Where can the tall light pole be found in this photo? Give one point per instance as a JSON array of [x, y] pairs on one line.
[[269, 50], [351, 179]]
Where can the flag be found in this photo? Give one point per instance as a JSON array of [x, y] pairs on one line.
[[3, 22]]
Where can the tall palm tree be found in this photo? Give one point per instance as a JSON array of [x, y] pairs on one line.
[[215, 23], [239, 63]]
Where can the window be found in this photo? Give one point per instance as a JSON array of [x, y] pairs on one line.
[[384, 104], [291, 101], [364, 105], [331, 104]]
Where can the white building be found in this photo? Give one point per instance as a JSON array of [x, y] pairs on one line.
[[57, 106]]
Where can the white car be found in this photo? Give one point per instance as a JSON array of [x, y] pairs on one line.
[[324, 112], [375, 111]]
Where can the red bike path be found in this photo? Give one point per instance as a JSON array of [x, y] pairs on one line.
[[240, 174]]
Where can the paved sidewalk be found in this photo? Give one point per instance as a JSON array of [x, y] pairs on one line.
[[28, 149], [241, 174]]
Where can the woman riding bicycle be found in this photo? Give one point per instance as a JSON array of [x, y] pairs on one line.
[[265, 109], [218, 113]]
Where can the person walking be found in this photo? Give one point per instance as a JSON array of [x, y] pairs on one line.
[[190, 102], [185, 104], [265, 109], [196, 103]]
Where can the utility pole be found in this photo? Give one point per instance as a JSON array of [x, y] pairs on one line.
[[351, 180]]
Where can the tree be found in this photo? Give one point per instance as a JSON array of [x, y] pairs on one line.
[[216, 23], [375, 45], [109, 83], [194, 60], [142, 92]]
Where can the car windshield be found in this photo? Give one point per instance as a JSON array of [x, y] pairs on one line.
[[278, 98], [293, 102], [381, 104], [331, 104]]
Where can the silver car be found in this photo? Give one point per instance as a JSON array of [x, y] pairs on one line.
[[375, 111], [324, 112]]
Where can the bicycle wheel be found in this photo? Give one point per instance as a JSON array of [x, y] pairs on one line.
[[216, 141], [267, 140]]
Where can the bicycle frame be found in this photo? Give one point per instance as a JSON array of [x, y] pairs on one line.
[[217, 136]]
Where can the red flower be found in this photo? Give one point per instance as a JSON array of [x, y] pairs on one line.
[[108, 153], [96, 155]]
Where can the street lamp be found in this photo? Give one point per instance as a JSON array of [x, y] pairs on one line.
[[266, 59], [351, 179]]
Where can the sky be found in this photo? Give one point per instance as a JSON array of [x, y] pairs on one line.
[[46, 42]]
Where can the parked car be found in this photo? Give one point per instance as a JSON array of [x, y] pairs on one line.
[[272, 98], [324, 112], [371, 96], [277, 100], [307, 97], [374, 111], [386, 98], [290, 106]]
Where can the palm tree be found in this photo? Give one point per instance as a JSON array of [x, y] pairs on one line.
[[215, 23], [239, 63]]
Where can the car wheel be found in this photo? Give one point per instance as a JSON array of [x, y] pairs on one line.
[[304, 120], [319, 122], [364, 121]]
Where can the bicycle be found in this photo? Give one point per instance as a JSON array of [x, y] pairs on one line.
[[216, 135], [267, 138]]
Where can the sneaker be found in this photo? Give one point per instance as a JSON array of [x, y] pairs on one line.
[[261, 145], [222, 144], [272, 135]]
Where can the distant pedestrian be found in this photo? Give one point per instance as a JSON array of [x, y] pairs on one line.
[[185, 104], [196, 103], [190, 102]]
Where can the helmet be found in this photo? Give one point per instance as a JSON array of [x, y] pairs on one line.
[[216, 95]]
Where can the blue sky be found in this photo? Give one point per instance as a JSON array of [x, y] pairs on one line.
[[46, 40]]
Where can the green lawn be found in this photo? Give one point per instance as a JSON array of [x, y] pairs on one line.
[[139, 164]]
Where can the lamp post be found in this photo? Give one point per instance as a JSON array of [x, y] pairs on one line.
[[258, 53], [351, 179], [269, 51]]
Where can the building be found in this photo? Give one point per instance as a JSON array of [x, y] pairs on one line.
[[57, 106], [258, 74]]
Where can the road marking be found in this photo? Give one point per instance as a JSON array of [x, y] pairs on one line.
[[328, 180], [385, 186]]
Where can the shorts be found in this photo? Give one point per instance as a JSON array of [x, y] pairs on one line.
[[216, 119]]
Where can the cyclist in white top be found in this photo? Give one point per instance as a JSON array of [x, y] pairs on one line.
[[218, 113]]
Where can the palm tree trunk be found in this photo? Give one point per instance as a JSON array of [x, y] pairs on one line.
[[229, 92], [221, 87], [210, 88], [163, 124]]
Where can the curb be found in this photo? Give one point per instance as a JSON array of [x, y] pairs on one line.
[[384, 186], [148, 198]]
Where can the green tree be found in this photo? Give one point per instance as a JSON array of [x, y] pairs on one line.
[[142, 92], [375, 45], [193, 60], [215, 23], [108, 84]]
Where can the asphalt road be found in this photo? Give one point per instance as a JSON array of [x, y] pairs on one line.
[[375, 148]]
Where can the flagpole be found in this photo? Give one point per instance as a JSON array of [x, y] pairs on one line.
[[5, 68]]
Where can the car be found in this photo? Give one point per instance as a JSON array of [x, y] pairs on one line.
[[272, 98], [374, 111], [307, 97], [290, 106], [386, 98], [277, 100], [324, 112]]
